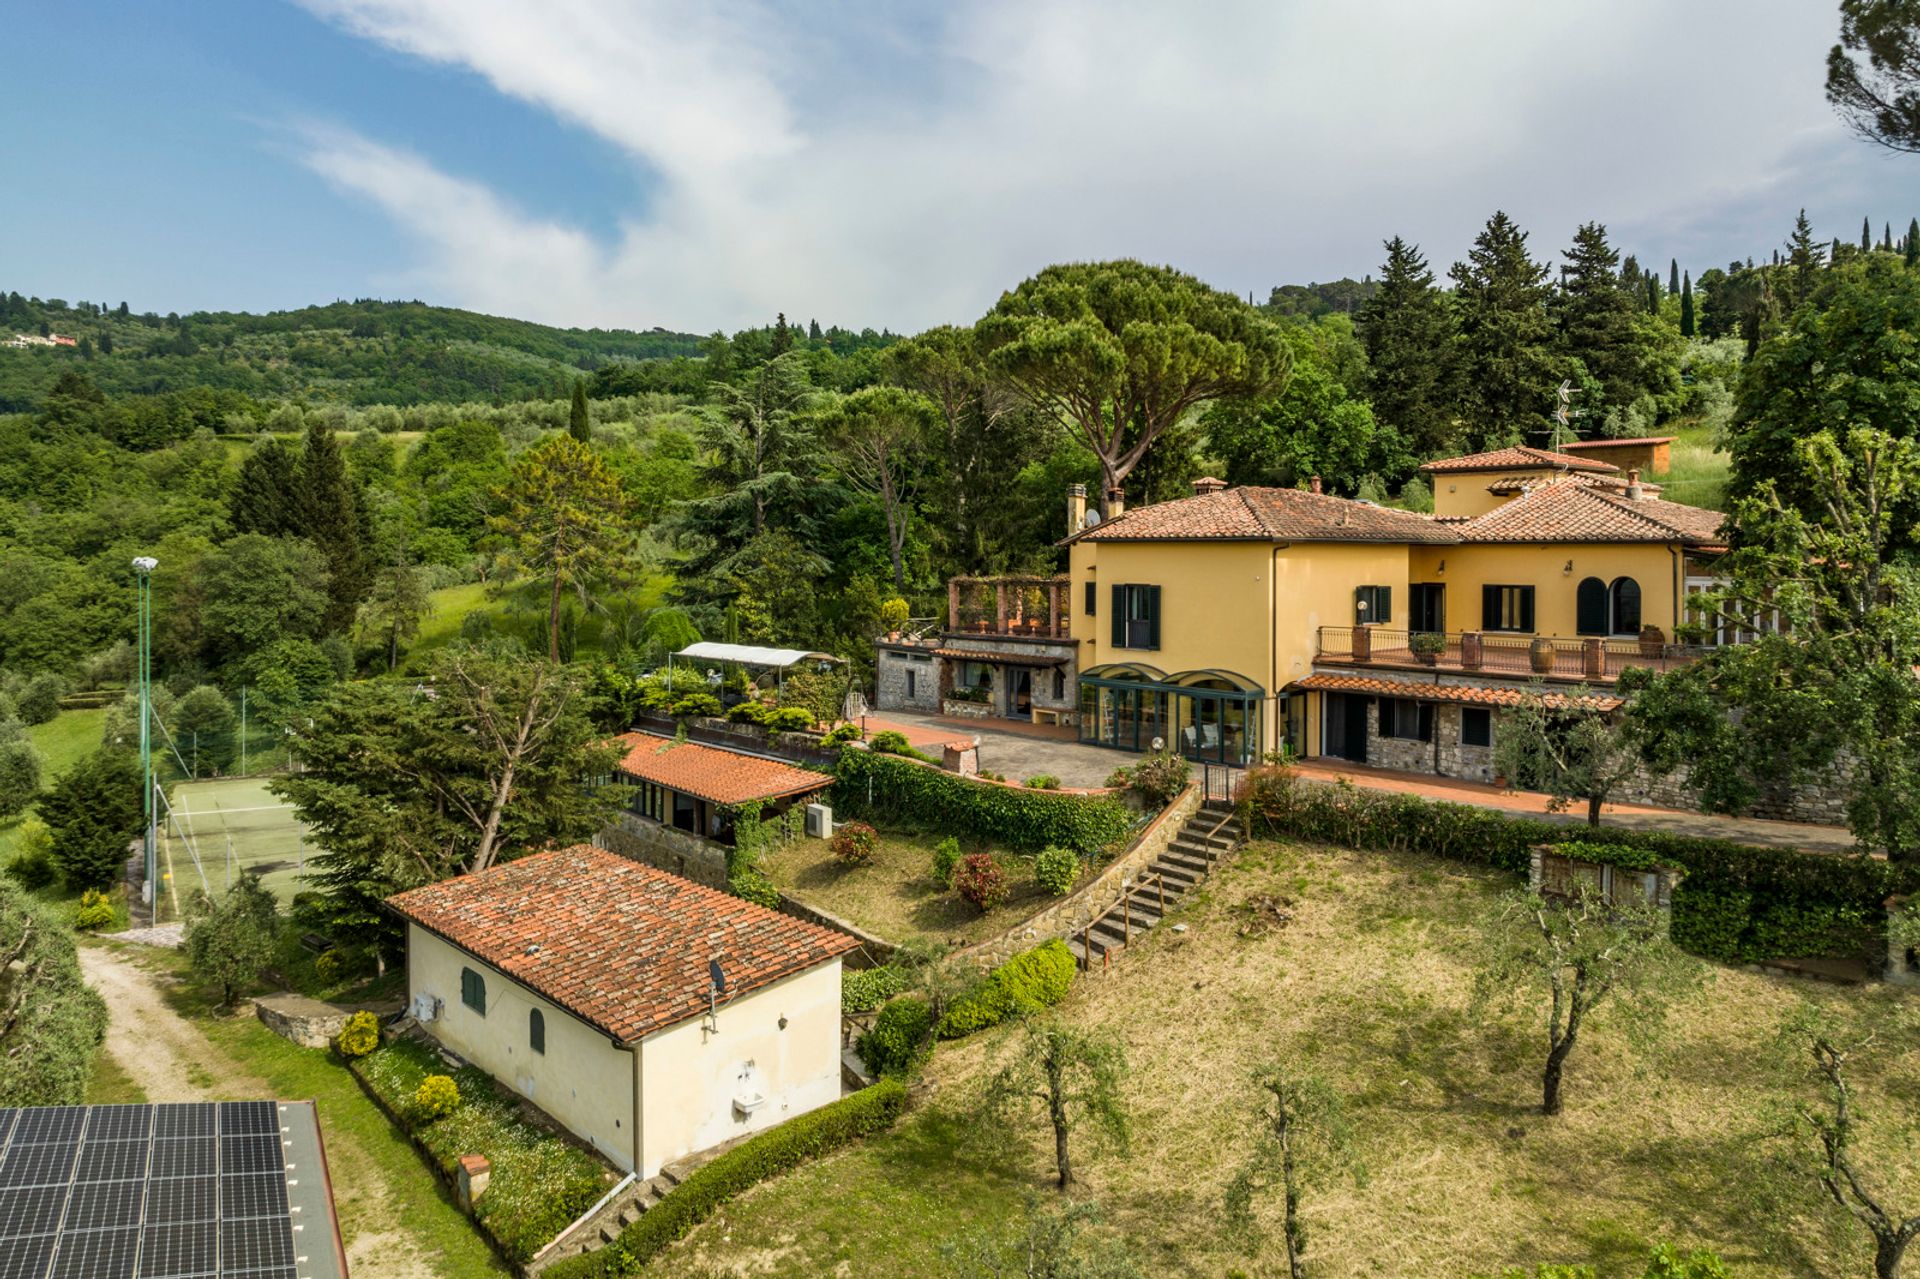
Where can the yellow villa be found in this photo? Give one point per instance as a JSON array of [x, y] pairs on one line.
[[1239, 621]]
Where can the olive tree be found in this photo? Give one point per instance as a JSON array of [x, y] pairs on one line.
[[1303, 1136], [1574, 747], [1074, 1077], [229, 939]]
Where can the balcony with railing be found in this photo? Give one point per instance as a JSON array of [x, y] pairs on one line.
[[1510, 656], [1010, 607]]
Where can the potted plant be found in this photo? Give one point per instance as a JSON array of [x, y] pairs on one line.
[[1427, 646], [1653, 641], [893, 616]]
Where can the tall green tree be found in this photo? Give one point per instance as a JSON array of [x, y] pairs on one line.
[[229, 940], [266, 493], [760, 440], [562, 513], [1073, 1077], [879, 436], [95, 812], [51, 1022], [1806, 260], [1673, 275], [1408, 329], [401, 787], [1873, 73], [1686, 306], [1594, 317], [257, 590], [579, 421], [329, 518], [1120, 352], [1910, 248], [1302, 1137], [394, 607], [1506, 336]]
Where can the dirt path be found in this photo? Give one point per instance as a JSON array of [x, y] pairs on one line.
[[168, 1057]]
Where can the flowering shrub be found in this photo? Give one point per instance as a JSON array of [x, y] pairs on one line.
[[1055, 868], [854, 843], [1158, 778], [436, 1097], [980, 881], [360, 1036], [95, 911], [946, 856]]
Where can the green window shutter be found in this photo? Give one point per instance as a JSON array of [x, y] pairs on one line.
[[1489, 608], [1526, 608], [1153, 617], [1119, 616], [1385, 606], [1093, 598]]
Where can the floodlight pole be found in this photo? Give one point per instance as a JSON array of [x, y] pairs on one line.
[[143, 586]]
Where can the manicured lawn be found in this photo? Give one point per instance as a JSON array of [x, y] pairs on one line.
[[895, 896], [1674, 1136]]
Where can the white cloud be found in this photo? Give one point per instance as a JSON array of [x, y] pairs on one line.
[[845, 163]]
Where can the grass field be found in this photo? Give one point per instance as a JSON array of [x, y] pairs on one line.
[[1698, 474], [62, 740], [1678, 1136], [222, 828]]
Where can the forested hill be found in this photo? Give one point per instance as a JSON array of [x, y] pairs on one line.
[[362, 352]]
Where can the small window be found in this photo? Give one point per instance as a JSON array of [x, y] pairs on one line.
[[1404, 718], [1506, 608], [1136, 616], [473, 991], [1476, 726], [911, 686], [1093, 598], [1372, 604], [537, 1031], [1059, 685]]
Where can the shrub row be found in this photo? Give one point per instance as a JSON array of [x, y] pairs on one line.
[[710, 1186], [541, 1181], [1738, 902], [1032, 980], [903, 792]]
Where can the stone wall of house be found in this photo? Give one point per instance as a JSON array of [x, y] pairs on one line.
[[1455, 758], [1080, 908], [890, 680], [1400, 753], [639, 839]]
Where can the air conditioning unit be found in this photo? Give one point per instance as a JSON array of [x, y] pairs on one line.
[[819, 821], [426, 1007]]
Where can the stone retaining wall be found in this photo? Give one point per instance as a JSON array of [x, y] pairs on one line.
[[667, 848], [1093, 899], [874, 950], [310, 1023]]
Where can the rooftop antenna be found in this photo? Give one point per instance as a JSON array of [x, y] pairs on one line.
[[1562, 432]]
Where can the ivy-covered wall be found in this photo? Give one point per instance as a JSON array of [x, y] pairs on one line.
[[895, 791]]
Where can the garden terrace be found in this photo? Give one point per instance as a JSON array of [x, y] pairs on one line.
[[1017, 607], [1591, 660]]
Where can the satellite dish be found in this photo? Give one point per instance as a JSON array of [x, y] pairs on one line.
[[1091, 518], [718, 978]]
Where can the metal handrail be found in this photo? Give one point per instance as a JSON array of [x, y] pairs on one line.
[[1125, 900]]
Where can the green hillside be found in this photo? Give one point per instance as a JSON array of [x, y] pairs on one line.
[[362, 352]]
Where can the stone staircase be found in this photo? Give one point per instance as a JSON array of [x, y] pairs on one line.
[[1209, 835], [623, 1210]]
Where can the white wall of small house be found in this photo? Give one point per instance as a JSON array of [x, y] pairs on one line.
[[582, 1080], [690, 1075]]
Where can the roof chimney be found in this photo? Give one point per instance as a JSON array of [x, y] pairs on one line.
[[1314, 484], [1076, 508], [1207, 484], [1634, 491], [1116, 503]]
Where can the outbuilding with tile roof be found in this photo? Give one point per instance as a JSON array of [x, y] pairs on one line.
[[695, 787], [584, 981]]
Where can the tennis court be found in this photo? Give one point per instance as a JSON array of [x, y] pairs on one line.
[[216, 830]]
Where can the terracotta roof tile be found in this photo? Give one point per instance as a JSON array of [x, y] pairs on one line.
[[1582, 512], [1461, 694], [1266, 515], [712, 773], [620, 945], [1521, 457]]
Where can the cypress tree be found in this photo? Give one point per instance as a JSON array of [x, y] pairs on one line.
[[1673, 275], [579, 424], [782, 335], [266, 496], [1686, 305], [1886, 236], [1653, 294], [329, 518], [1913, 242], [813, 330], [1506, 337], [1866, 235], [1408, 330]]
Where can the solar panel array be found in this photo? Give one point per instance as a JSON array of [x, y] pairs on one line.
[[174, 1191]]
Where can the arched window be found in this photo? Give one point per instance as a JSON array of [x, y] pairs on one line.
[[1590, 615], [1626, 606], [537, 1031]]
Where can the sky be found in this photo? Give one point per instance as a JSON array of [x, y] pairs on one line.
[[703, 164]]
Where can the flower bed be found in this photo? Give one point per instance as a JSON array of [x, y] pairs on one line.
[[541, 1180]]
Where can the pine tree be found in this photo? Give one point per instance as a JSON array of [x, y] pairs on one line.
[[813, 330], [106, 343], [266, 495], [1594, 317], [1805, 257], [1673, 275], [579, 424], [782, 336], [1505, 335], [1686, 305], [1408, 329], [328, 516]]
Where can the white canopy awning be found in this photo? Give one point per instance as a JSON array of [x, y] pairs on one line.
[[751, 654]]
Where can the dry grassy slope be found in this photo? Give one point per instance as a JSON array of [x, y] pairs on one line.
[[1371, 985]]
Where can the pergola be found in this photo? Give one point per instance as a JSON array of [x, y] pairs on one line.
[[777, 660]]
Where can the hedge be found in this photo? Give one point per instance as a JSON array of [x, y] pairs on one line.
[[713, 1184], [1738, 902], [1032, 980], [902, 792]]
